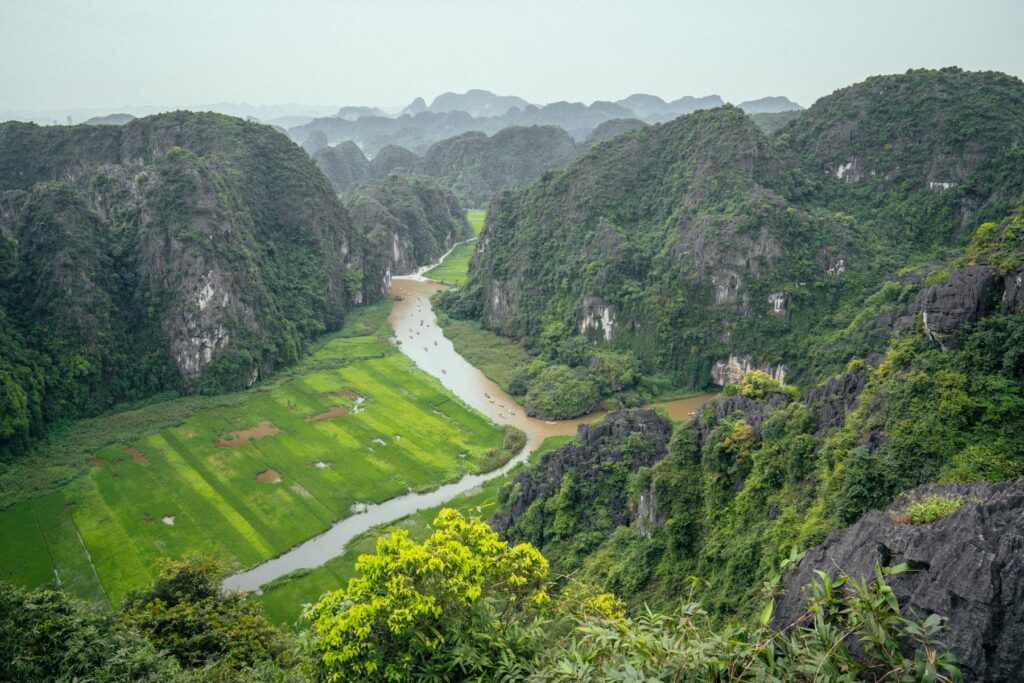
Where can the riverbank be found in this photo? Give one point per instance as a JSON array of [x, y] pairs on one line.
[[247, 476], [283, 598], [420, 338]]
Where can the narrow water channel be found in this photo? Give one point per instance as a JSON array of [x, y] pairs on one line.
[[421, 339]]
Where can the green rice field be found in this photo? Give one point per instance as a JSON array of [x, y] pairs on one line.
[[476, 218], [453, 270], [242, 477], [284, 598]]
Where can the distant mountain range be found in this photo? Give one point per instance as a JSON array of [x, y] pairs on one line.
[[418, 125]]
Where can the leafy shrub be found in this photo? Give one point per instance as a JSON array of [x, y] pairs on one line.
[[930, 509], [759, 384], [186, 614], [417, 608], [558, 392]]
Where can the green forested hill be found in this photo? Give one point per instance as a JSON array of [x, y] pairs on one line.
[[472, 165], [476, 166], [704, 248], [762, 473], [188, 252], [410, 220]]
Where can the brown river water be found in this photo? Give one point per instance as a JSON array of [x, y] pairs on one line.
[[421, 339]]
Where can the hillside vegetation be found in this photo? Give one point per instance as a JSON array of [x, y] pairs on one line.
[[702, 248], [185, 252], [409, 221], [473, 165], [180, 253]]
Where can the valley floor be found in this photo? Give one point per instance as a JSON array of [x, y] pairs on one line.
[[283, 599], [249, 477]]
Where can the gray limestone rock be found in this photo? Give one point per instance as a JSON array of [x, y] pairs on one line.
[[969, 568]]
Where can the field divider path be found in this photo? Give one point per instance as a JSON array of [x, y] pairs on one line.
[[88, 556]]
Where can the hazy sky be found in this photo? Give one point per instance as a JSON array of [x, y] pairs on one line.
[[62, 54]]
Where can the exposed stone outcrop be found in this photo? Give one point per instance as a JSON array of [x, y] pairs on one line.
[[731, 370], [1013, 293], [755, 412], [598, 316], [502, 300], [831, 401], [595, 447], [970, 294], [413, 220], [969, 568]]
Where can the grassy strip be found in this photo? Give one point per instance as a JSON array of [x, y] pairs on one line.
[[476, 218], [283, 599], [154, 483], [497, 357], [455, 267]]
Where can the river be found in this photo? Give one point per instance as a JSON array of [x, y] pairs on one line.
[[421, 339]]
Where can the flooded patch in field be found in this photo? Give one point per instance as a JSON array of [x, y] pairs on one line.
[[269, 476], [246, 436], [330, 413]]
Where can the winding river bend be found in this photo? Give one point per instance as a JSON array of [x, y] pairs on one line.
[[421, 339]]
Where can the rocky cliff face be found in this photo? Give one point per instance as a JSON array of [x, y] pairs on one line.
[[705, 265], [627, 238], [596, 449], [731, 370], [168, 249], [967, 567], [969, 295], [411, 220]]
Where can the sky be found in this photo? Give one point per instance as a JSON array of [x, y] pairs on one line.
[[109, 54]]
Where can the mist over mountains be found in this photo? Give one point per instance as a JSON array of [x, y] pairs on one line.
[[418, 125]]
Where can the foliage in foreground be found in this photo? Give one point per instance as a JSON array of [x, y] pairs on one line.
[[465, 605], [183, 628]]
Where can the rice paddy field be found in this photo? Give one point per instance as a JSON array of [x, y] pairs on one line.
[[242, 477], [283, 599], [453, 270]]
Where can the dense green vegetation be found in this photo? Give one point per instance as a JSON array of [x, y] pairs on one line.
[[242, 477], [465, 605], [180, 629], [471, 164], [181, 252], [476, 166], [687, 242], [758, 475], [411, 221], [874, 246], [491, 612]]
